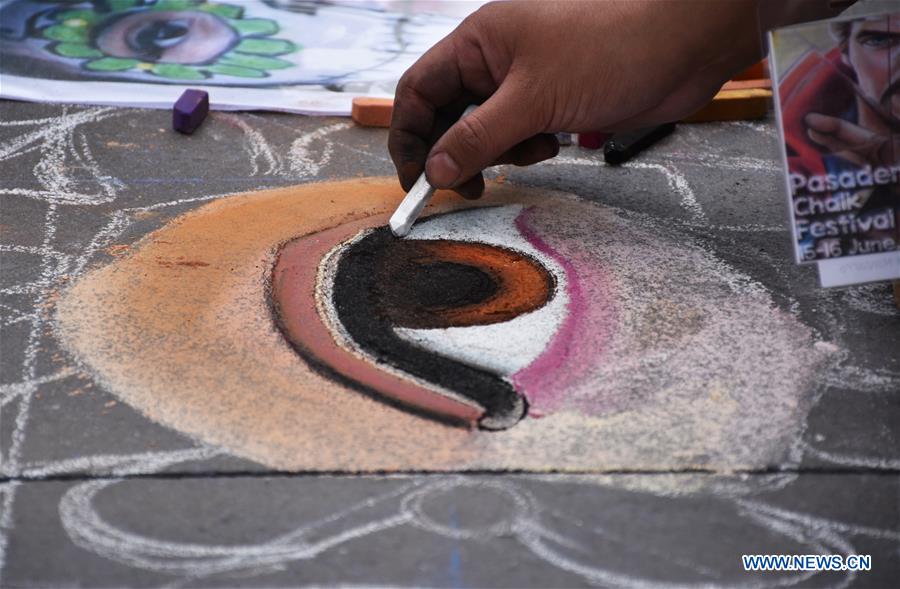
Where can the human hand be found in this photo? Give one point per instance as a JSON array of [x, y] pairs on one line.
[[852, 142], [542, 67]]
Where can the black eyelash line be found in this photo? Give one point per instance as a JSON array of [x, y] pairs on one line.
[[358, 298]]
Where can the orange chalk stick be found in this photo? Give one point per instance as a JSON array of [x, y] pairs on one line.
[[372, 112], [734, 105]]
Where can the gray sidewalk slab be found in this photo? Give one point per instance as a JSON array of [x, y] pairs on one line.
[[95, 494], [450, 531]]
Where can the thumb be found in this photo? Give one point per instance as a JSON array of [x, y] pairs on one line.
[[481, 137]]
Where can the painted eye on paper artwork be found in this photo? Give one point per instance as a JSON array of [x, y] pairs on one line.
[[451, 315], [186, 37], [165, 39], [156, 37]]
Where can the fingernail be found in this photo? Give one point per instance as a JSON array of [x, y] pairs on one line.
[[441, 170]]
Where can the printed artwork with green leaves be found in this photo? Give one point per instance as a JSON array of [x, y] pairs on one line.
[[304, 56], [178, 40]]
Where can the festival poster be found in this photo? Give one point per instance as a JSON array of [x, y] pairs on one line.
[[309, 57], [838, 106]]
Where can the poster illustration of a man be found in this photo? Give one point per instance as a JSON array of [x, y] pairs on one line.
[[840, 111]]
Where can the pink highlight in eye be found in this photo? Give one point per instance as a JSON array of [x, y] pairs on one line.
[[578, 345]]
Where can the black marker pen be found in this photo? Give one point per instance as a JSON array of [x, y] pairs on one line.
[[621, 147]]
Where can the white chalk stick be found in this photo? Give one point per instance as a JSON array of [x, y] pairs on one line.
[[415, 200]]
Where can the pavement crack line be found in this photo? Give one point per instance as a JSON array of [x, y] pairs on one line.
[[268, 474]]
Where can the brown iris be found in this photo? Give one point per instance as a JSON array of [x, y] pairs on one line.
[[438, 284]]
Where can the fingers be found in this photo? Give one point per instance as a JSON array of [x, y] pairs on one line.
[[431, 95], [426, 86], [827, 141], [531, 151], [835, 133], [484, 136], [851, 141], [409, 149], [471, 188], [435, 90]]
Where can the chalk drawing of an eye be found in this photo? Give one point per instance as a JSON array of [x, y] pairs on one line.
[[288, 327], [440, 321]]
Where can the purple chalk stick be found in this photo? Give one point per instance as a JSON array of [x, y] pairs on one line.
[[190, 110]]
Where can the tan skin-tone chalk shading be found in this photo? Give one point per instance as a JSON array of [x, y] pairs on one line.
[[195, 320], [197, 347]]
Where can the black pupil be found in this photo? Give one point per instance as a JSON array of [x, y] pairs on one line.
[[445, 285], [155, 37]]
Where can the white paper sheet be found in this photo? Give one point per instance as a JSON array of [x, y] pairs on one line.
[[281, 55]]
